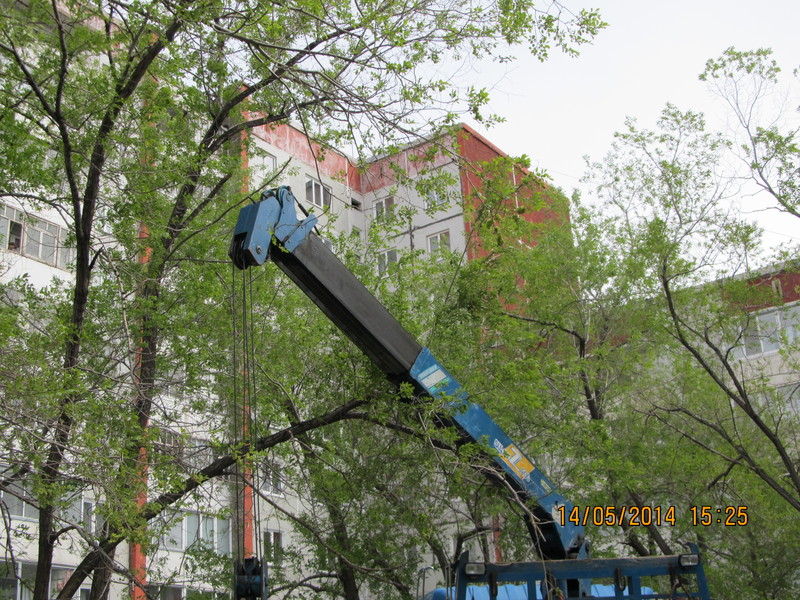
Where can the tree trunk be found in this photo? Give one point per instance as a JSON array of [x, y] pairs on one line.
[[50, 471], [101, 581], [345, 572]]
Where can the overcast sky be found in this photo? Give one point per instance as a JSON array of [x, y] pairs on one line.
[[650, 54]]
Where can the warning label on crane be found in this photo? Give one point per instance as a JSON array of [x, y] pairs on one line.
[[435, 380], [515, 459]]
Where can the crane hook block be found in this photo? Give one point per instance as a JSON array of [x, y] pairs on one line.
[[250, 579]]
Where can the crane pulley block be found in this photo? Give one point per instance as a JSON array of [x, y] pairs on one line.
[[250, 579]]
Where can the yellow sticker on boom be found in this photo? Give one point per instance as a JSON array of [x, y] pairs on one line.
[[517, 461]]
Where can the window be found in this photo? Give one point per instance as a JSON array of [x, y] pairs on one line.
[[92, 517], [223, 536], [41, 241], [12, 498], [169, 444], [18, 585], [197, 453], [439, 242], [273, 547], [790, 321], [214, 532], [11, 220], [14, 236], [767, 331], [269, 478], [173, 535], [34, 238], [777, 287], [66, 255], [384, 209], [58, 577], [433, 201], [164, 592], [85, 513], [790, 394], [385, 259], [9, 584], [317, 193]]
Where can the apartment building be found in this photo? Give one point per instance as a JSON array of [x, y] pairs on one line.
[[769, 341], [349, 199]]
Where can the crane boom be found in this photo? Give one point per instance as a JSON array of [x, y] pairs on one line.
[[271, 229]]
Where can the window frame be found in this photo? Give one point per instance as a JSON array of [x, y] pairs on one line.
[[273, 547], [22, 571], [208, 526], [386, 258], [383, 209], [270, 480], [156, 590], [29, 239], [26, 510], [770, 337], [437, 249], [46, 250], [10, 217], [84, 512], [432, 201], [317, 193]]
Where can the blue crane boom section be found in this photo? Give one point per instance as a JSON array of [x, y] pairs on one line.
[[270, 229]]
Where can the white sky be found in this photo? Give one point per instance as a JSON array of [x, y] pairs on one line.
[[651, 53]]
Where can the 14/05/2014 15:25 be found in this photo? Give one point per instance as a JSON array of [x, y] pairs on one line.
[[645, 516]]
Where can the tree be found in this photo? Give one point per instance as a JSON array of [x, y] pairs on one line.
[[629, 325], [672, 193], [748, 82], [698, 253], [130, 120]]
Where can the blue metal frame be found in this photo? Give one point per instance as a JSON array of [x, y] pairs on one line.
[[274, 216], [679, 580]]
